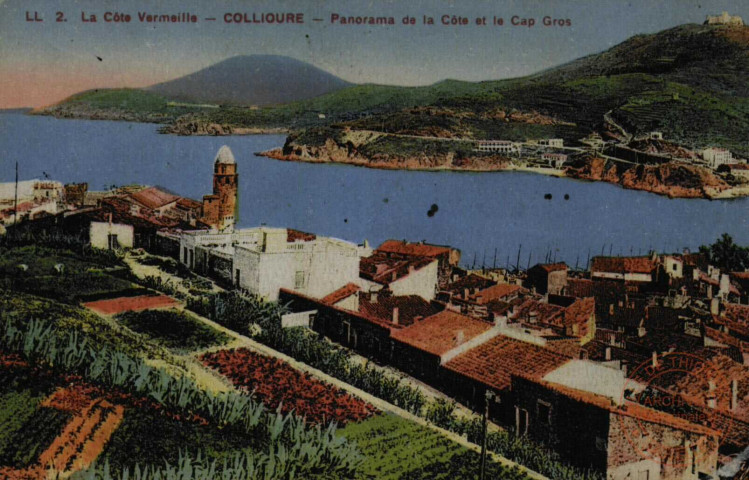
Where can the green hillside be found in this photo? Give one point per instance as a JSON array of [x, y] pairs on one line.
[[688, 81]]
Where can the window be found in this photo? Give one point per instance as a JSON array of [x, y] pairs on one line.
[[299, 280], [184, 254], [521, 421], [112, 242], [236, 277], [543, 410], [674, 267]]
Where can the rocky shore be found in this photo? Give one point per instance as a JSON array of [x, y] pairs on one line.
[[675, 180]]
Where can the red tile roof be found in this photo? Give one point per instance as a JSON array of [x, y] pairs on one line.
[[580, 312], [471, 282], [628, 409], [384, 270], [189, 203], [416, 249], [441, 333], [297, 236], [579, 287], [496, 292], [410, 307], [340, 294], [494, 362], [623, 264], [153, 197]]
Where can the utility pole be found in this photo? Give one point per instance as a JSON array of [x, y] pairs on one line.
[[488, 395], [529, 260], [495, 259], [15, 200], [517, 263]]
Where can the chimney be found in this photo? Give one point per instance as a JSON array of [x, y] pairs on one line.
[[608, 354], [734, 395], [710, 400], [395, 316], [612, 340], [465, 293], [460, 338], [655, 359], [372, 297], [714, 306]]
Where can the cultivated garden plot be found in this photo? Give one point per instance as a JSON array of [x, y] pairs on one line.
[[173, 329], [277, 384]]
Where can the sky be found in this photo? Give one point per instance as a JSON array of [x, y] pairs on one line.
[[44, 62]]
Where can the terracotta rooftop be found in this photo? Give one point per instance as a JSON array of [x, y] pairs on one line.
[[494, 362], [579, 287], [623, 264], [340, 294], [417, 249], [441, 333], [495, 292], [628, 409], [410, 307], [154, 197], [189, 203], [721, 370], [471, 282], [382, 269], [297, 236], [579, 312]]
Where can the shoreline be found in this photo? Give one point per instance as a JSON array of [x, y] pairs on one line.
[[733, 193]]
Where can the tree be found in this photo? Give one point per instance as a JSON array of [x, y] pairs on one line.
[[726, 255]]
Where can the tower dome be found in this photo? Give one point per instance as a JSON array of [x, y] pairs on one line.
[[225, 156]]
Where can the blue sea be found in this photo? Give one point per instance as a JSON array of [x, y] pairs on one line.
[[486, 215]]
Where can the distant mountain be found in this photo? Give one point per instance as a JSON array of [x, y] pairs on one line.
[[252, 80]]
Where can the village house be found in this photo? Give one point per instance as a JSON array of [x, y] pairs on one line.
[[547, 278], [400, 275], [554, 160], [489, 367], [421, 348], [724, 19], [740, 170], [505, 147], [263, 260], [618, 438], [448, 257], [551, 142], [715, 157], [628, 269], [34, 199]]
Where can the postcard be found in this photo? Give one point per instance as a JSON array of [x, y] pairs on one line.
[[355, 239]]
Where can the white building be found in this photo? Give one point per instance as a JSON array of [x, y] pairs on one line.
[[715, 157], [552, 142], [402, 275], [111, 236], [264, 259], [498, 146], [37, 191], [555, 160]]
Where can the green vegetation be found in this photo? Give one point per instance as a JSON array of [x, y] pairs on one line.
[[291, 446], [726, 255], [262, 320], [173, 329], [124, 104], [397, 448], [134, 439], [38, 432], [61, 268]]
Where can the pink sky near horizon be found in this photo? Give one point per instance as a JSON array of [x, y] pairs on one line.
[[39, 86]]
